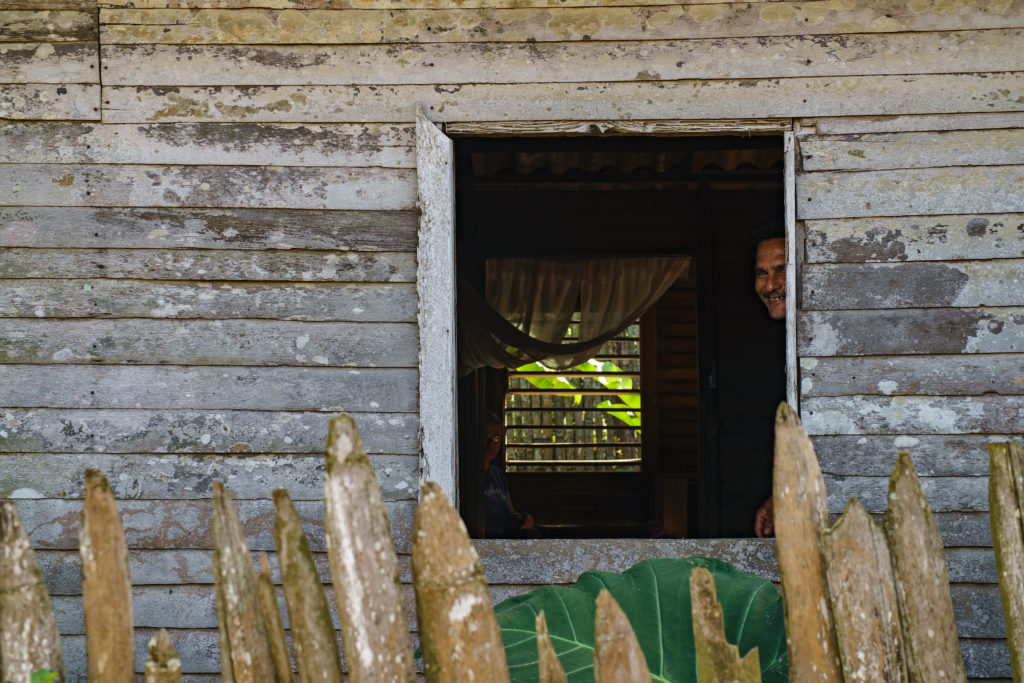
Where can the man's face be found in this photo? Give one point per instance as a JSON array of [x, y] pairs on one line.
[[770, 276]]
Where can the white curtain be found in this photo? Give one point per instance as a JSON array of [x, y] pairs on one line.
[[529, 303]]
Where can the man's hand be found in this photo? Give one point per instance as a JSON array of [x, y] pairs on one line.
[[764, 519]]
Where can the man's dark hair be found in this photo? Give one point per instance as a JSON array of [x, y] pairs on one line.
[[772, 229]]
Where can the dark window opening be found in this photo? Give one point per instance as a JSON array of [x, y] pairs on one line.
[[700, 386]]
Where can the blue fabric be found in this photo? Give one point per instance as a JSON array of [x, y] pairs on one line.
[[499, 520]]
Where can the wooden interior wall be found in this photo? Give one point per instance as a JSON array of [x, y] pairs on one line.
[[208, 225]]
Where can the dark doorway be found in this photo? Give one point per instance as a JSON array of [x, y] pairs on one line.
[[711, 362]]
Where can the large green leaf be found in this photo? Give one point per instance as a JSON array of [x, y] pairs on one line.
[[655, 595]]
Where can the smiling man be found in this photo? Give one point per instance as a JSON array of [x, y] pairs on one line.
[[770, 286]]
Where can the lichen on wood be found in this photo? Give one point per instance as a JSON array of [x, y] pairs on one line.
[[550, 669], [1006, 496], [717, 658], [163, 665], [272, 619], [617, 654]]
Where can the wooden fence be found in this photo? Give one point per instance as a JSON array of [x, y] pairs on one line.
[[863, 602]]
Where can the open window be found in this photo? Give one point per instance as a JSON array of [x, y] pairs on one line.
[[700, 370]]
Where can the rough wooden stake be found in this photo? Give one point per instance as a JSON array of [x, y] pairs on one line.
[[458, 630], [717, 659], [29, 639], [364, 567], [244, 640], [1005, 502], [922, 584], [272, 620], [316, 646], [801, 514], [163, 665], [106, 585], [550, 669], [617, 654], [863, 595]]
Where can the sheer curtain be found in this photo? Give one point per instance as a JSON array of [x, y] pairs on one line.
[[529, 303]]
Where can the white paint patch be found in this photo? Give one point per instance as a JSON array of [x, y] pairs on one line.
[[63, 355], [862, 440], [300, 342], [204, 439], [40, 312], [888, 387], [808, 363], [806, 384], [463, 607], [906, 441], [25, 493], [44, 51], [357, 310], [321, 360], [168, 310], [824, 340]]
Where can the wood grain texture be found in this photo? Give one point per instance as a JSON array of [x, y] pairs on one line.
[[430, 63], [944, 494], [934, 456], [1000, 374], [272, 618], [1005, 488], [384, 4], [549, 668], [914, 415], [801, 514], [934, 330], [207, 186], [210, 388], [913, 150], [913, 285], [922, 584], [188, 477], [915, 238], [724, 99], [246, 26], [42, 430], [364, 567], [200, 342], [50, 63], [208, 265], [72, 101], [163, 665], [106, 583], [667, 127], [617, 654], [44, 25], [717, 659], [862, 592], [208, 228], [926, 191], [207, 144], [49, 5], [141, 299], [853, 125]]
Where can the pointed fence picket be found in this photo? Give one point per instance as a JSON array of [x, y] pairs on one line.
[[862, 602]]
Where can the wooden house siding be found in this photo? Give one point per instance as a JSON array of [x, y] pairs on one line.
[[208, 233]]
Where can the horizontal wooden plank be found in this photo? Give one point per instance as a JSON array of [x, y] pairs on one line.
[[913, 150], [926, 191], [851, 125], [50, 63], [248, 26], [209, 144], [665, 127], [207, 186], [209, 265], [1001, 374], [962, 529], [915, 238], [208, 228], [43, 430], [948, 330], [945, 494], [934, 456], [971, 565], [38, 5], [46, 26], [429, 63], [914, 285], [913, 415], [71, 101], [179, 300], [978, 611], [209, 388], [220, 342], [53, 523], [185, 477], [723, 99], [389, 4], [986, 659]]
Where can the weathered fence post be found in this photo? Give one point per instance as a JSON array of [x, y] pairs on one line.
[[550, 669], [863, 595], [316, 646], [458, 630], [244, 647], [364, 567], [922, 584], [617, 654], [801, 514], [29, 640], [106, 585], [163, 665], [717, 659], [1005, 502], [272, 620]]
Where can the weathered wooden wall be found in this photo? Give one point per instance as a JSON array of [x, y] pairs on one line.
[[208, 225]]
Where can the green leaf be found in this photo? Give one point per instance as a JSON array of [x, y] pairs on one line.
[[655, 595], [43, 676]]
